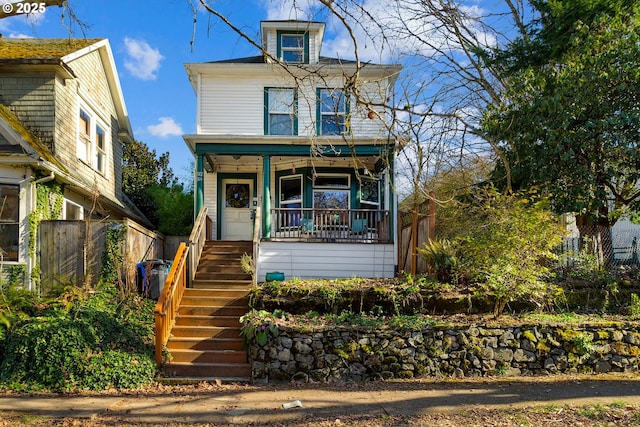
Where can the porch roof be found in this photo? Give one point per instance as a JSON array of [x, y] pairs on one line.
[[291, 150], [294, 146]]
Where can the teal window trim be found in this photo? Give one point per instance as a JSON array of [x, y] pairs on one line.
[[294, 112], [347, 110], [305, 54]]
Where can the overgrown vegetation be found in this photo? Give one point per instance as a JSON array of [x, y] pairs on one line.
[[77, 340]]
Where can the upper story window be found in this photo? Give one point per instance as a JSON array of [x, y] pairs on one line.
[[280, 112], [92, 140], [9, 221], [333, 108], [293, 47]]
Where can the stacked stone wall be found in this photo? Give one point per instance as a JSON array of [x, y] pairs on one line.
[[473, 351]]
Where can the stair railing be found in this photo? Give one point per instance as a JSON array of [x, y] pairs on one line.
[[169, 300], [257, 220], [183, 270], [198, 236]]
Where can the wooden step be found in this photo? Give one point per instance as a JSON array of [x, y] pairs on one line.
[[206, 341], [207, 370], [199, 343], [206, 331], [215, 301], [204, 283], [199, 320], [209, 356], [238, 292], [227, 310]]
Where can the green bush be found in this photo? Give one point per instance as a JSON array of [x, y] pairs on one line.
[[81, 341], [503, 245]]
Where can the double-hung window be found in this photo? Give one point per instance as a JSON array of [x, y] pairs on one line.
[[291, 200], [333, 107], [293, 47], [281, 111], [9, 221], [92, 140]]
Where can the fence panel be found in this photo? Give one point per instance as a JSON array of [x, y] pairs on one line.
[[68, 257]]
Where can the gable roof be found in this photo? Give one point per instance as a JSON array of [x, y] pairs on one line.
[[30, 51], [59, 54]]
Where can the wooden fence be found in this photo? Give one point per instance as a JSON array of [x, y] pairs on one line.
[[415, 228], [71, 252]]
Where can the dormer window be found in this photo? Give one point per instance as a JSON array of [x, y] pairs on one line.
[[293, 47]]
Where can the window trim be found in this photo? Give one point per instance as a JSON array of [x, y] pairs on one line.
[[319, 113], [13, 223], [65, 212], [297, 176], [305, 48], [89, 142], [293, 114]]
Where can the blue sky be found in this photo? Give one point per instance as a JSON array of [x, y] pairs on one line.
[[150, 40]]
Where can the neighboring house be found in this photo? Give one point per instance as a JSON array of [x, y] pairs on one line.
[[292, 140], [62, 120]]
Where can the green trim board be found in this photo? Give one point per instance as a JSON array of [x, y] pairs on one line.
[[292, 150]]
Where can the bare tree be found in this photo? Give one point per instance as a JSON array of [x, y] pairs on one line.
[[445, 86]]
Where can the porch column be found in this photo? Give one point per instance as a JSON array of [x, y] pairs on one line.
[[199, 187], [266, 196]]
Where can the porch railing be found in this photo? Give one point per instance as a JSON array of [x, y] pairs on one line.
[[330, 225]]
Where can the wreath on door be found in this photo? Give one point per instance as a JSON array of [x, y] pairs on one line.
[[237, 196]]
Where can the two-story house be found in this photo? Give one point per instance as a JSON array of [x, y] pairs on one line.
[[304, 138], [63, 121]]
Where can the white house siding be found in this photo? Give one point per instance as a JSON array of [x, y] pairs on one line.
[[326, 260], [234, 105]]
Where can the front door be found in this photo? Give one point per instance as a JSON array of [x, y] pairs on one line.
[[236, 222]]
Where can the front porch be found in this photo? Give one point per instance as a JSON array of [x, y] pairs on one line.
[[329, 225]]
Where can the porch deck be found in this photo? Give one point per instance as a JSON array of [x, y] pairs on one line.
[[330, 225]]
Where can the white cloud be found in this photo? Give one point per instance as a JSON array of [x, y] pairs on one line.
[[290, 9], [143, 61], [166, 128]]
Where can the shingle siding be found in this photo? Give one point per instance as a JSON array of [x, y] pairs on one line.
[[31, 97]]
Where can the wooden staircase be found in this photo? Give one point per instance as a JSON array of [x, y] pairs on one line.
[[205, 343]]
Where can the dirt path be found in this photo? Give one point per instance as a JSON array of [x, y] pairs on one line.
[[575, 401]]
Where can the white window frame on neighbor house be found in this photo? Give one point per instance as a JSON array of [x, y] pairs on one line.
[[72, 211], [282, 103], [92, 140], [10, 220]]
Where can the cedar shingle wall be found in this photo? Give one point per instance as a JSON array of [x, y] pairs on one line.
[[31, 97]]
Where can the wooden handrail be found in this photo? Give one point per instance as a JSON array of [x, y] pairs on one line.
[[169, 300], [196, 241], [257, 220]]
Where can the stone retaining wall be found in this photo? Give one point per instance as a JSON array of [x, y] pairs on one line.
[[358, 354]]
